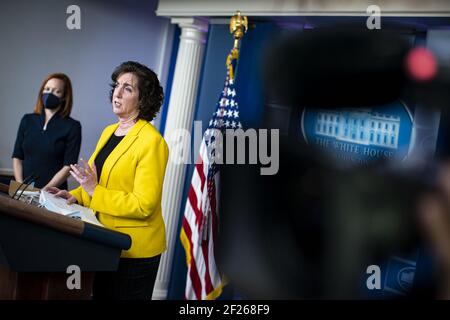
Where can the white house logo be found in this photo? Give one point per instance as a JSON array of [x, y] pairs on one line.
[[360, 135], [361, 127]]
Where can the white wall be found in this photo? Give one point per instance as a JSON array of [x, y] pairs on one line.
[[35, 42]]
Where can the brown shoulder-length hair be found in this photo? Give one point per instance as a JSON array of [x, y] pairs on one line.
[[67, 99], [151, 93]]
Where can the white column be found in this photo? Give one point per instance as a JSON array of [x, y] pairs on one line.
[[180, 116]]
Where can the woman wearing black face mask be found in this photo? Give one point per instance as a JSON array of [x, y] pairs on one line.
[[48, 140]]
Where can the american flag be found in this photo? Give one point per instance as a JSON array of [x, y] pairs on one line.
[[201, 217]]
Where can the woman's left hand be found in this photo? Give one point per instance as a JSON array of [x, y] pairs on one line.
[[86, 176]]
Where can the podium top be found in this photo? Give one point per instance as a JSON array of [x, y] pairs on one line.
[[40, 216]]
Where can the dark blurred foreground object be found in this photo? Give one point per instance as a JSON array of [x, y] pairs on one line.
[[350, 66], [312, 230], [341, 66]]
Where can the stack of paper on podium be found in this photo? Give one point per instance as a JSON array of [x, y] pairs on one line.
[[59, 205]]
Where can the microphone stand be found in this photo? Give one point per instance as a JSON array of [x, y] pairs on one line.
[[23, 182], [33, 179]]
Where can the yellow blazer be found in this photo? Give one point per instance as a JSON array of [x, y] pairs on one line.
[[128, 195]]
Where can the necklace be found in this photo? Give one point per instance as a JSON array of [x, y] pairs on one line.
[[125, 125]]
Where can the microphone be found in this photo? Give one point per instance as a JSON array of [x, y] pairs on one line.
[[33, 179], [23, 182]]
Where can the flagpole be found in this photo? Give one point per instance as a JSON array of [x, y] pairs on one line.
[[238, 27], [200, 225]]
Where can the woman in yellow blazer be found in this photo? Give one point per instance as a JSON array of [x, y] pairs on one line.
[[123, 181]]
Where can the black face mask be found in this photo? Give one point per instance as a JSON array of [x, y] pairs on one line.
[[50, 101]]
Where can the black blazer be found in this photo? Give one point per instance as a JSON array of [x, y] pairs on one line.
[[45, 152]]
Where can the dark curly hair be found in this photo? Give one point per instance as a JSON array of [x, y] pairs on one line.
[[151, 93]]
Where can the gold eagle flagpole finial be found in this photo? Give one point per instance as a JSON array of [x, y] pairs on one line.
[[238, 27]]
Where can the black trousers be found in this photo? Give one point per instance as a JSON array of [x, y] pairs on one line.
[[133, 280]]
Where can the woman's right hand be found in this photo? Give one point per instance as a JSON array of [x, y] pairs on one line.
[[62, 194]]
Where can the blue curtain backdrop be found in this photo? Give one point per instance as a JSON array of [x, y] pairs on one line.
[[173, 60], [251, 104]]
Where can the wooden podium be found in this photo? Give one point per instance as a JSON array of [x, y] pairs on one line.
[[37, 246]]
